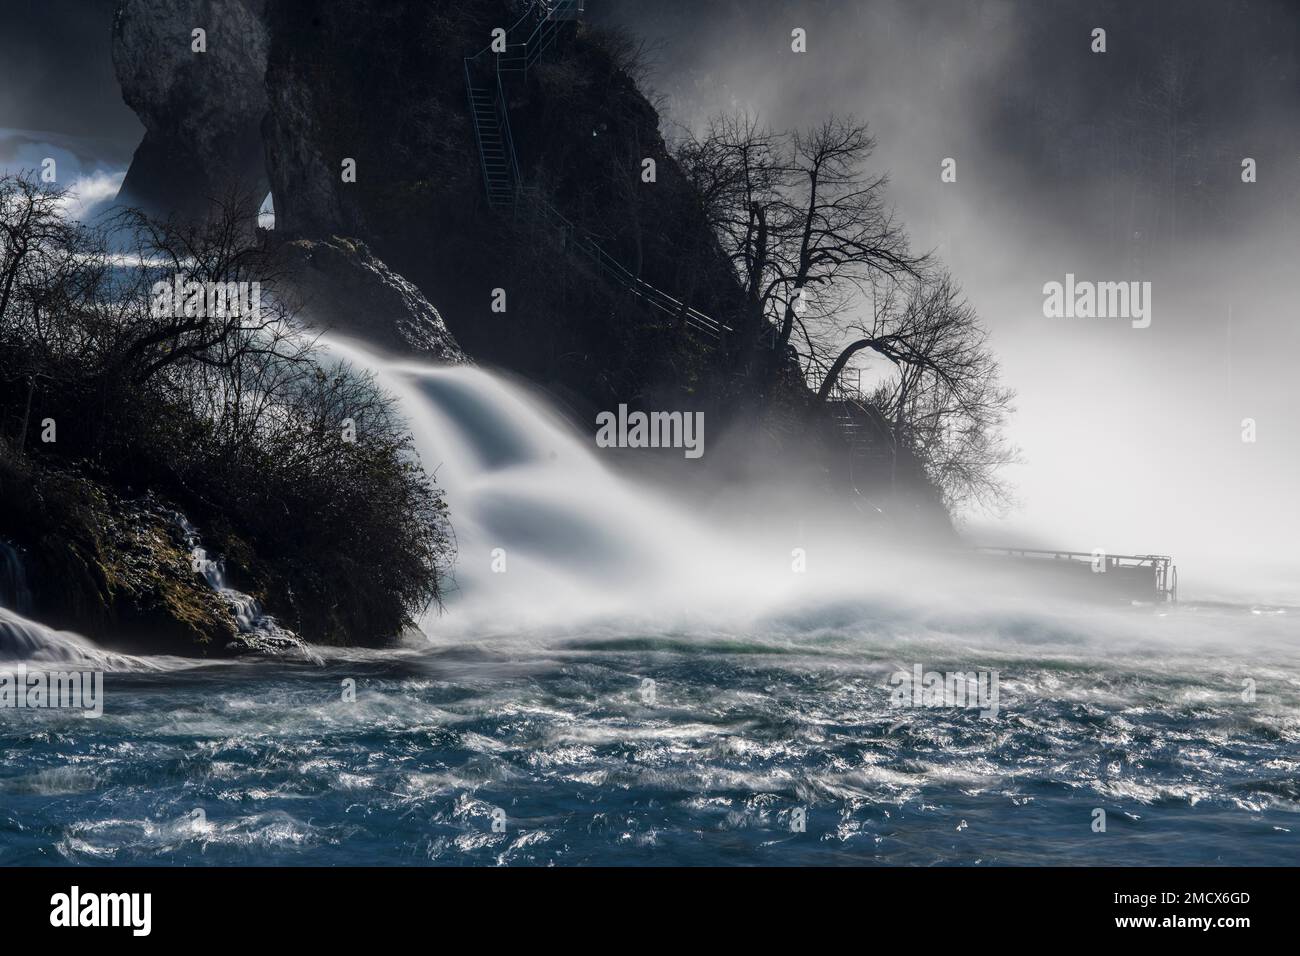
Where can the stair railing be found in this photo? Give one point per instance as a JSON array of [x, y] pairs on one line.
[[611, 268], [518, 57], [507, 139], [478, 132]]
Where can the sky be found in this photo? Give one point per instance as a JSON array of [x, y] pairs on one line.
[[59, 97], [1114, 166]]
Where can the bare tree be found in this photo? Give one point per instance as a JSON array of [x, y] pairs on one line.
[[223, 247], [49, 267], [231, 410], [843, 233], [799, 216], [940, 392], [41, 258], [738, 168], [828, 275]]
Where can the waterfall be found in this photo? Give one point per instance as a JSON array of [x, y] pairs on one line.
[[543, 529], [29, 643], [258, 630], [14, 591], [549, 535]]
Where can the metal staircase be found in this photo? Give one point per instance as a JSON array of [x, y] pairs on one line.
[[525, 42], [495, 148], [872, 446]]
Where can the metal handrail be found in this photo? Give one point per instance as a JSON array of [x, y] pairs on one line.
[[507, 137], [537, 42], [620, 273], [1085, 555], [547, 22], [524, 16], [478, 133]]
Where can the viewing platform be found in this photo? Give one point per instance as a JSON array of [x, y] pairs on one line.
[[1133, 577]]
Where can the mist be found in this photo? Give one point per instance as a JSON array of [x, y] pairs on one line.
[[1132, 439]]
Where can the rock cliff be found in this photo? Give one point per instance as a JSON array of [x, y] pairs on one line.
[[202, 111]]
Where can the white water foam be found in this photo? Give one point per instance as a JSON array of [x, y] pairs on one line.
[[577, 540], [250, 618], [588, 553], [30, 643]]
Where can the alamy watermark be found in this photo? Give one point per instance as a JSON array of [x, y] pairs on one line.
[[962, 689], [626, 429], [1098, 300], [75, 908], [50, 690], [183, 298]]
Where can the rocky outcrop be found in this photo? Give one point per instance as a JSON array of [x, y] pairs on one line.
[[339, 286], [78, 556], [218, 118], [202, 111], [383, 85], [111, 568]]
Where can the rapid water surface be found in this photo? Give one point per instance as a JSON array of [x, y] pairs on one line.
[[636, 685], [266, 763]]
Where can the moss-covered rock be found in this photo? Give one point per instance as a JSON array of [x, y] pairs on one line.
[[112, 568]]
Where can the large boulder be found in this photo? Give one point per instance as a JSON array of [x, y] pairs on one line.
[[340, 286]]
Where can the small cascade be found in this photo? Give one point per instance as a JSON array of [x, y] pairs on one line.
[[29, 643], [258, 631], [15, 593]]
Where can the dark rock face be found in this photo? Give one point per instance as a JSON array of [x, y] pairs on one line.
[[219, 118], [383, 84], [380, 83], [202, 112], [342, 287]]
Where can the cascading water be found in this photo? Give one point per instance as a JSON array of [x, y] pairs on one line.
[[550, 537], [544, 531], [26, 643], [22, 639], [258, 630]]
